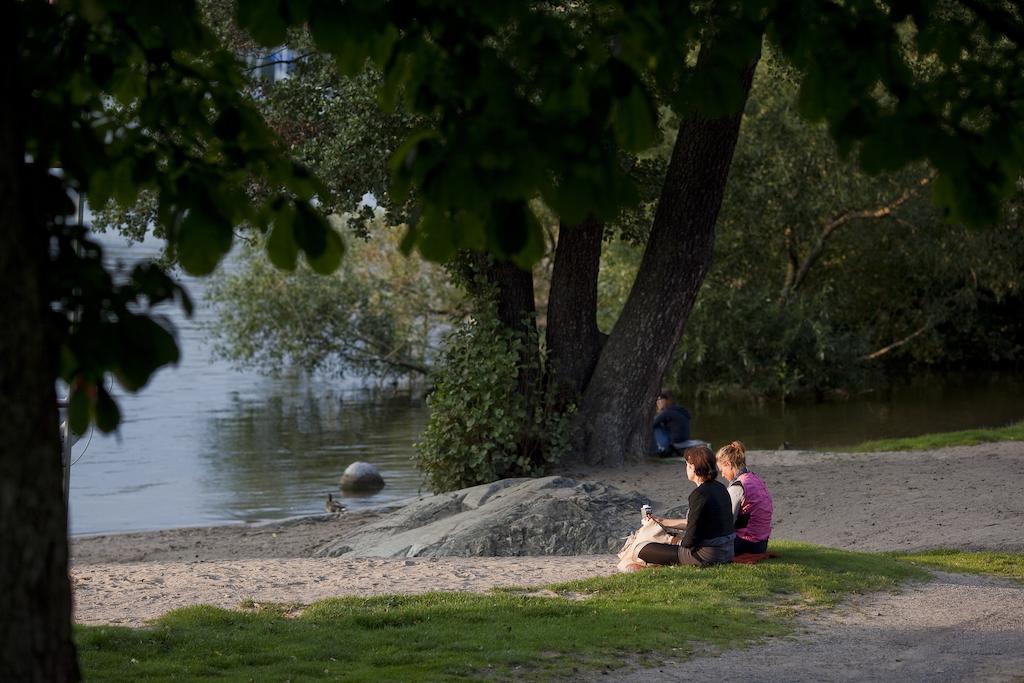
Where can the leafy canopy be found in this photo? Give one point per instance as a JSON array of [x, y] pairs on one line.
[[539, 99], [127, 98], [516, 101]]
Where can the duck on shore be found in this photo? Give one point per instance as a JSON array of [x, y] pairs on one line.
[[332, 505]]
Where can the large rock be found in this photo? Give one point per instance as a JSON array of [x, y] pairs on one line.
[[548, 516], [361, 476]]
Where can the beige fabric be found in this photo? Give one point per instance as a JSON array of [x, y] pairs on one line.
[[649, 532]]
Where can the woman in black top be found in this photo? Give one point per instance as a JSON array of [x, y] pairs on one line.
[[709, 529]]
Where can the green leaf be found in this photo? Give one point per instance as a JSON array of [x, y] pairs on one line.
[[394, 78], [382, 44], [635, 120], [101, 186], [470, 231], [78, 409], [409, 239], [436, 241], [108, 415], [350, 33], [310, 230], [303, 183], [314, 235], [125, 188], [509, 228], [264, 20], [228, 125], [281, 247], [202, 240], [405, 160], [146, 346], [571, 198], [330, 258], [68, 362], [327, 25], [533, 250]]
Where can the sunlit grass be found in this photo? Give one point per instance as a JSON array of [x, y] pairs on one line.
[[925, 442], [1009, 565], [668, 613]]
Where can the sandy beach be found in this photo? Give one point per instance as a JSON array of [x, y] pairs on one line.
[[956, 497]]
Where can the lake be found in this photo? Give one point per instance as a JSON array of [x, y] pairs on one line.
[[207, 444]]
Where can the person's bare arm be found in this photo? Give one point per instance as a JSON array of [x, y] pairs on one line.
[[666, 521]]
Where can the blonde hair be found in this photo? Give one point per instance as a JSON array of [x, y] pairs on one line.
[[734, 454]]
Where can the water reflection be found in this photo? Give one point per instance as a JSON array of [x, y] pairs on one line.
[[928, 403], [205, 443], [279, 456]]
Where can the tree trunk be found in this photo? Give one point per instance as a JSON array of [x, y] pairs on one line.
[[35, 594], [517, 307], [618, 403], [573, 340], [517, 311]]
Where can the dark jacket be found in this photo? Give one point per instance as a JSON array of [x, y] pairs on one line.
[[710, 514], [676, 419]]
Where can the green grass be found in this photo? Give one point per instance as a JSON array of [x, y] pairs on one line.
[[925, 442], [1009, 565], [670, 613]]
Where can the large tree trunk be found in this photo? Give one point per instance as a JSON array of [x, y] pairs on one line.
[[35, 594], [617, 406], [573, 340]]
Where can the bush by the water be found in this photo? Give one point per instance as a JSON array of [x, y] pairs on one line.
[[481, 428]]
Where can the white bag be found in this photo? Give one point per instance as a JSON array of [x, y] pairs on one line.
[[649, 532]]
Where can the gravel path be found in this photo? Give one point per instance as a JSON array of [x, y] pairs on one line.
[[952, 628]]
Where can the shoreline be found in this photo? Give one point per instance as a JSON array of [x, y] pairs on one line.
[[840, 483], [961, 497]]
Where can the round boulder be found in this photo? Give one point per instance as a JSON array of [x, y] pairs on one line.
[[361, 476]]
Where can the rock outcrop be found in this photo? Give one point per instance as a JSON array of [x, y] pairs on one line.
[[547, 516]]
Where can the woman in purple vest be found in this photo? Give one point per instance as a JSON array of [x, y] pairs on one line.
[[751, 502]]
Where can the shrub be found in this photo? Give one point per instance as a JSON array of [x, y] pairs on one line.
[[482, 427]]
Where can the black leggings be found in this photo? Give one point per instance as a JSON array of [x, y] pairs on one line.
[[659, 553]]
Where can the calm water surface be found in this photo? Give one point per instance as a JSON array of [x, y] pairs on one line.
[[206, 444], [927, 404]]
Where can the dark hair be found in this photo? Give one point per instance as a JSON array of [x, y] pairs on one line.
[[665, 394], [703, 461]]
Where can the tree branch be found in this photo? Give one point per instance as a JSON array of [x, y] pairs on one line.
[[828, 229], [792, 261], [896, 344], [277, 61]]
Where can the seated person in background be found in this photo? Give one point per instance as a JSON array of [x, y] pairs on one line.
[[671, 425], [709, 533], [751, 502]]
